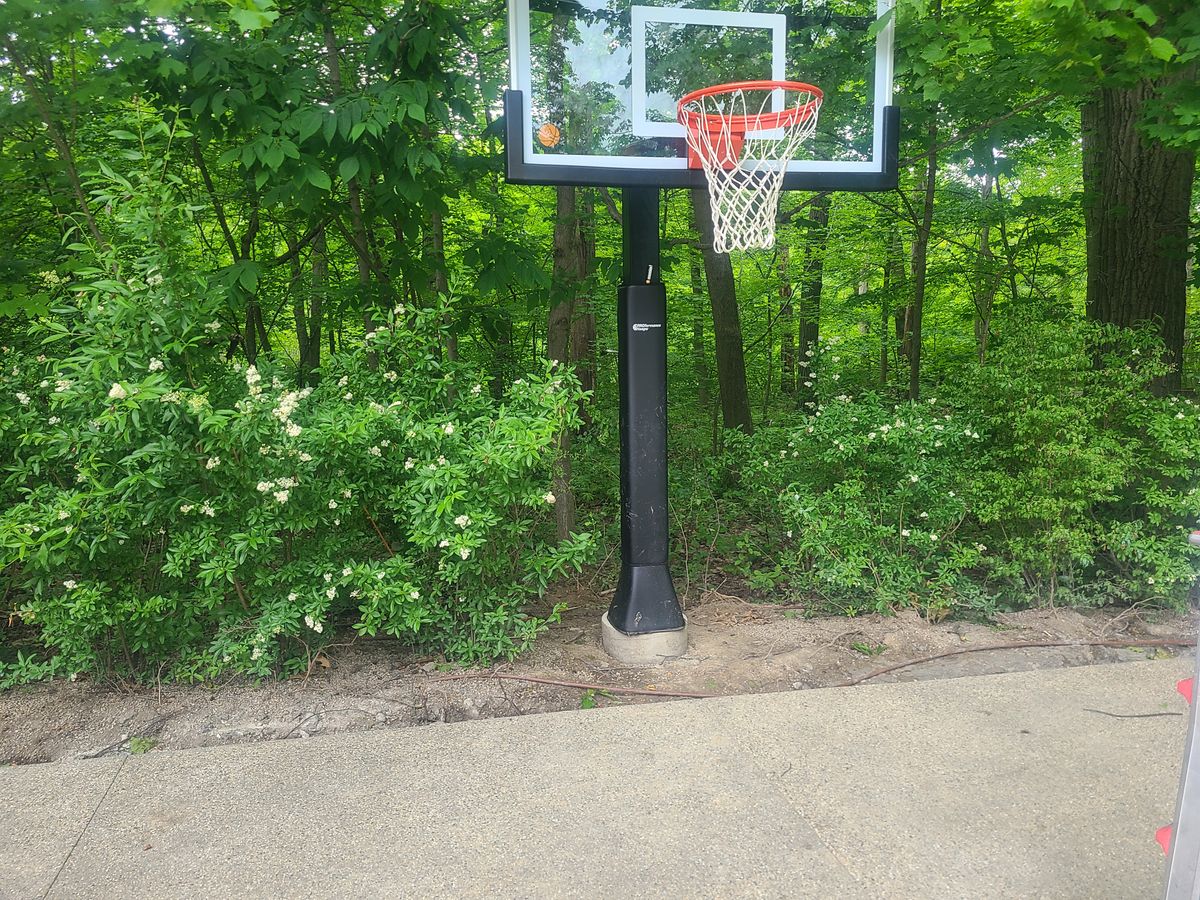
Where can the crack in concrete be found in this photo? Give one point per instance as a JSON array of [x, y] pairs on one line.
[[86, 826]]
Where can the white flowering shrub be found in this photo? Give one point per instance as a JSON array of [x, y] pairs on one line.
[[863, 502], [166, 510], [1049, 475]]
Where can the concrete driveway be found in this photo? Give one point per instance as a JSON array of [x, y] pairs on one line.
[[1034, 784]]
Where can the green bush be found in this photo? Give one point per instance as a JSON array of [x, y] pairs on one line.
[[1086, 484], [1051, 474], [168, 511], [865, 501]]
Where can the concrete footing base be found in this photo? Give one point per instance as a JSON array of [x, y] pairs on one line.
[[642, 649]]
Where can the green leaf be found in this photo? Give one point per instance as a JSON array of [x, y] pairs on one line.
[[273, 156], [318, 178], [1161, 48], [1145, 14], [881, 23], [307, 124], [253, 19], [349, 168]]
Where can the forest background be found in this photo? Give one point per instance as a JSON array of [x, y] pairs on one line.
[[284, 356]]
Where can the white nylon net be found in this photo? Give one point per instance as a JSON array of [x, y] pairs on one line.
[[744, 139]]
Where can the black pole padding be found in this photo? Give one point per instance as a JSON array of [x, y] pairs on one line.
[[639, 236], [645, 600]]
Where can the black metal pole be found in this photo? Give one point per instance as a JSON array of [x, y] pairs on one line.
[[645, 601]]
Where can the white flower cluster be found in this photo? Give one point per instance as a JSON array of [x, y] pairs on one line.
[[116, 392], [390, 376], [287, 405], [462, 521], [61, 386], [253, 381], [375, 451], [155, 365], [23, 399], [213, 462], [314, 624]]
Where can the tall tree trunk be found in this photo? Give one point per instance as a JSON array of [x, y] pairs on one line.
[[893, 277], [360, 240], [787, 325], [985, 276], [727, 325], [504, 355], [1137, 200], [441, 282], [307, 306], [811, 287], [568, 275], [699, 345], [582, 342], [255, 338], [920, 264], [769, 340]]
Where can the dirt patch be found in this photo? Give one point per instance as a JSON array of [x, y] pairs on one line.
[[736, 648]]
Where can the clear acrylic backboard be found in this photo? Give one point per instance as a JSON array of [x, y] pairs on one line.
[[595, 86]]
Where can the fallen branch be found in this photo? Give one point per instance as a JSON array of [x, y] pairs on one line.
[[583, 686], [1020, 645]]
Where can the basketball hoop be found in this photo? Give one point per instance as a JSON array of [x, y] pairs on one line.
[[744, 135]]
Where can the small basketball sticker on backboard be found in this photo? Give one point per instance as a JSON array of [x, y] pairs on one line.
[[549, 135]]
